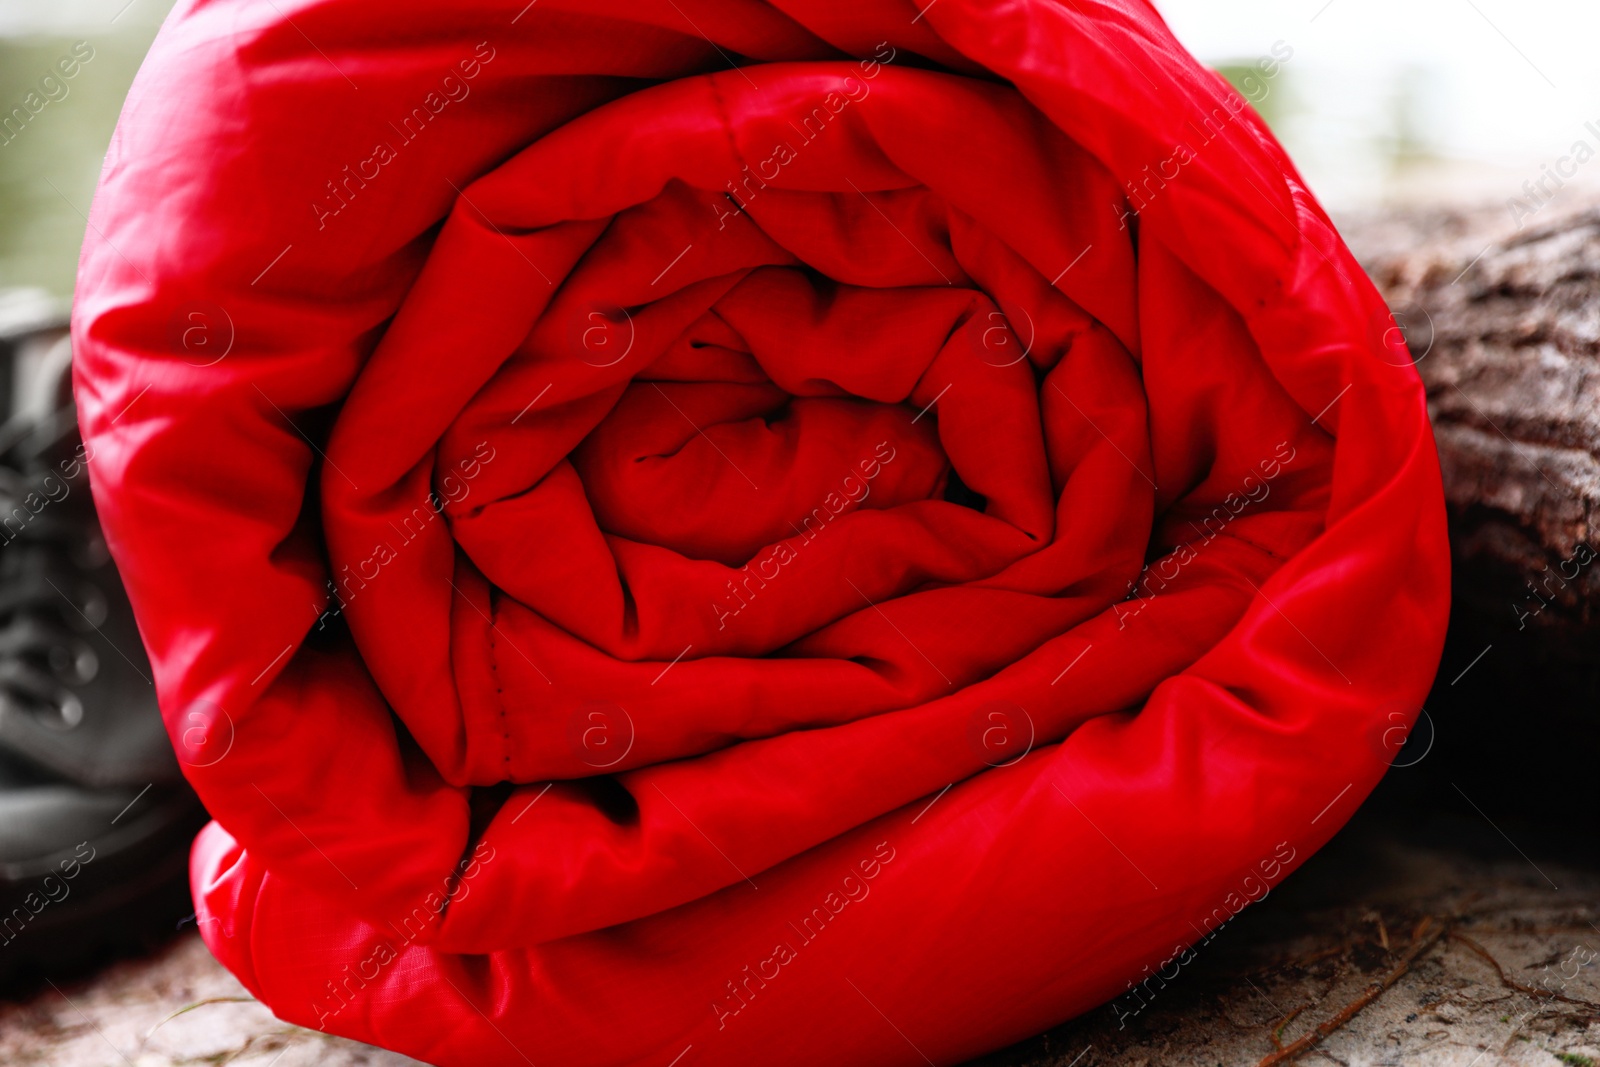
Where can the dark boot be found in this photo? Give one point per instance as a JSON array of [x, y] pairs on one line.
[[95, 818]]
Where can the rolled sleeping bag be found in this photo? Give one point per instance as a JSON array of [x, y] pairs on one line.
[[725, 532]]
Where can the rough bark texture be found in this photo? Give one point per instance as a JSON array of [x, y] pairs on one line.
[[1504, 324]]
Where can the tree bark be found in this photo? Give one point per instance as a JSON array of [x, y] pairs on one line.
[[1504, 325]]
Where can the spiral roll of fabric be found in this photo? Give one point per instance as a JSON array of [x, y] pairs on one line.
[[726, 532]]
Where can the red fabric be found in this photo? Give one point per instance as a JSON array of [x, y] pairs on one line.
[[888, 589]]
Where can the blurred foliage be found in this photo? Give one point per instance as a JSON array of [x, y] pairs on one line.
[[48, 170], [1269, 96]]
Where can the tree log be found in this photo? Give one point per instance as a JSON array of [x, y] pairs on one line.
[[1504, 325]]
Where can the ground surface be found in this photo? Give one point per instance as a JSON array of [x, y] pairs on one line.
[[1318, 952], [123, 1017], [1316, 946]]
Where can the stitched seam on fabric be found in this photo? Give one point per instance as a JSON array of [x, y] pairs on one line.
[[499, 690], [1259, 548], [727, 131]]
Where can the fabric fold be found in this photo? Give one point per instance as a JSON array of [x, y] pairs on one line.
[[717, 518]]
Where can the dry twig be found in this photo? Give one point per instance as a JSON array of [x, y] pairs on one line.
[[1424, 937], [1521, 987]]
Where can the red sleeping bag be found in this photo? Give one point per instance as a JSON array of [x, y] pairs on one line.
[[736, 532]]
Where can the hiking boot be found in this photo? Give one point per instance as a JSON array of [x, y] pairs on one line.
[[95, 818]]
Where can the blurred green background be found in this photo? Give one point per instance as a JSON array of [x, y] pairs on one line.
[[48, 169]]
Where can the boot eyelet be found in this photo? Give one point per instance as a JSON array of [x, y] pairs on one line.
[[68, 710], [74, 666], [93, 553], [92, 606]]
